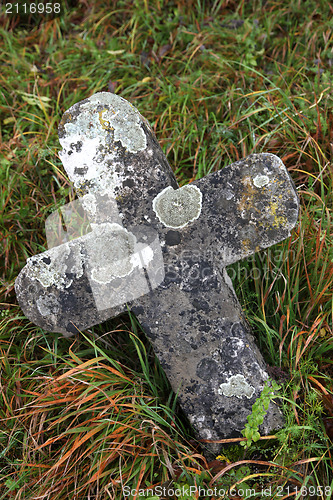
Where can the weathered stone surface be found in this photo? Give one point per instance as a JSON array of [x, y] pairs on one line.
[[162, 251]]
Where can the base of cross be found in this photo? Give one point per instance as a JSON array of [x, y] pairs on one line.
[[208, 353]]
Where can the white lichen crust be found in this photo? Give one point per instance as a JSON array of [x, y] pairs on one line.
[[53, 268], [109, 250], [90, 134], [260, 180], [236, 386], [175, 208]]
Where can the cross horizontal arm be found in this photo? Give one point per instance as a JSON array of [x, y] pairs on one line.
[[247, 206]]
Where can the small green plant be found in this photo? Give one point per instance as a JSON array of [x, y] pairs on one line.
[[259, 410]]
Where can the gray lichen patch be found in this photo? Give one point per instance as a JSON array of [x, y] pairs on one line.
[[89, 133], [89, 204], [261, 180], [122, 117], [110, 249], [200, 422], [55, 266], [176, 208], [47, 305], [236, 386]]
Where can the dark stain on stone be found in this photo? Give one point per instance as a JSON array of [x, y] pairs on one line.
[[237, 330], [46, 260], [69, 302], [204, 326], [77, 146], [207, 368], [129, 183], [172, 238], [71, 328], [201, 304], [172, 277], [80, 170], [292, 205], [221, 204], [138, 310]]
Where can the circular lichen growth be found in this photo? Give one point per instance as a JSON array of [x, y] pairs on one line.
[[109, 248], [175, 208], [261, 181]]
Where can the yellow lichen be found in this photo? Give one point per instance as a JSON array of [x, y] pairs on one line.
[[246, 245], [105, 124], [248, 196], [273, 207], [279, 220]]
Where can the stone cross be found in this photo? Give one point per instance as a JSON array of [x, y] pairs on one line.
[[161, 250]]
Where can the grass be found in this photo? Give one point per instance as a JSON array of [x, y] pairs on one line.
[[85, 417]]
